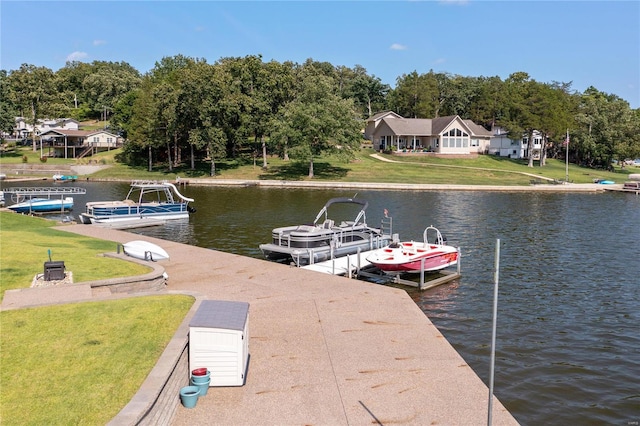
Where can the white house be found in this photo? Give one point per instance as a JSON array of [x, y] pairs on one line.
[[103, 139], [504, 146], [442, 135], [78, 143], [23, 129]]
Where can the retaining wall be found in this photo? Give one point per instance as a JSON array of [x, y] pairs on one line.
[[156, 402]]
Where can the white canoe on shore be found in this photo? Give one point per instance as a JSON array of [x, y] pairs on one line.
[[145, 250]]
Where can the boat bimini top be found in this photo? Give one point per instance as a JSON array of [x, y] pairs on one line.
[[344, 200]]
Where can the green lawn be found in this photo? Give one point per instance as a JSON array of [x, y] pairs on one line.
[[81, 363], [25, 242], [78, 363], [483, 170]]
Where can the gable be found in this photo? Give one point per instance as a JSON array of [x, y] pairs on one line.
[[383, 114], [101, 133], [66, 132]]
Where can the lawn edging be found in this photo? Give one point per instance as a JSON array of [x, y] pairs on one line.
[[155, 280], [156, 401]]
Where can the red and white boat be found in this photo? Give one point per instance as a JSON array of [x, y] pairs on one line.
[[414, 256]]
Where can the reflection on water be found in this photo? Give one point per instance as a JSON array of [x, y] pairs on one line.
[[568, 343]]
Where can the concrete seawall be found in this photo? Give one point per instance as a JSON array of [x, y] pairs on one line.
[[324, 349], [571, 187]]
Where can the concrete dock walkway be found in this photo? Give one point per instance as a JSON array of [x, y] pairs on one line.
[[324, 350]]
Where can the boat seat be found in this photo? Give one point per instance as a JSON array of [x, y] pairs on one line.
[[328, 224]]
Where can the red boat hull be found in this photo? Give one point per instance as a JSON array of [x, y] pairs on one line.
[[410, 259]]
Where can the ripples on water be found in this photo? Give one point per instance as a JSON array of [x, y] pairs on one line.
[[568, 343]]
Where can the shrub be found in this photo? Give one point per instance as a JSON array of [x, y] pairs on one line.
[[43, 159], [25, 159]]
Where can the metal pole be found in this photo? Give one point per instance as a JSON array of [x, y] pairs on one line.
[[493, 335], [566, 179]]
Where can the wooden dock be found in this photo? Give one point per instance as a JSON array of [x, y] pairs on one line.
[[632, 186]]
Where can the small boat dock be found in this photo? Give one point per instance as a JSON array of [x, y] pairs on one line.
[[20, 195], [357, 266], [632, 186], [345, 265], [50, 192]]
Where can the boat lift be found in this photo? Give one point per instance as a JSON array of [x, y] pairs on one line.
[[356, 266], [20, 194]]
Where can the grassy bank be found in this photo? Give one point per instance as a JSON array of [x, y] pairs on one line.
[[25, 244], [483, 170], [78, 363], [81, 363]]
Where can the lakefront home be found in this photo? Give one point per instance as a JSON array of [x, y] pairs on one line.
[[503, 146], [64, 143], [448, 135], [23, 129]]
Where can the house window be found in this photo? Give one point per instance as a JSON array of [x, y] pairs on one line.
[[474, 142], [96, 139]]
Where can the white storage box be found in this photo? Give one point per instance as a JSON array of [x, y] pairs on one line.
[[219, 341]]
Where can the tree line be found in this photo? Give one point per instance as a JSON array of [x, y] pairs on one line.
[[186, 110]]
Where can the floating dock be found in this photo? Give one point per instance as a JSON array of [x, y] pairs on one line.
[[19, 194], [345, 265]]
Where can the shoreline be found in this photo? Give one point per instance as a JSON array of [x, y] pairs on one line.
[[569, 187]]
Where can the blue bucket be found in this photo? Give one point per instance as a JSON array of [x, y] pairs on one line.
[[202, 385], [189, 396], [201, 379]]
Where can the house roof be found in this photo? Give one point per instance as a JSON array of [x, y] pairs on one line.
[[476, 129], [97, 132], [382, 114], [441, 123], [427, 126], [409, 127], [68, 132]]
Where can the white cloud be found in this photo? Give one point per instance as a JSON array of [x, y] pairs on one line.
[[77, 56], [398, 46], [99, 42], [440, 61]]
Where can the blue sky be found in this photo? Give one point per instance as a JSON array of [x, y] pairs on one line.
[[588, 43]]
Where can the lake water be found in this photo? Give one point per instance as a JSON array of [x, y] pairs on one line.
[[568, 342]]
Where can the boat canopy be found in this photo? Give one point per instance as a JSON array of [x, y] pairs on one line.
[[154, 186], [345, 200]]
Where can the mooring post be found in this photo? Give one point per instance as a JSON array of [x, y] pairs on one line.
[[493, 334]]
